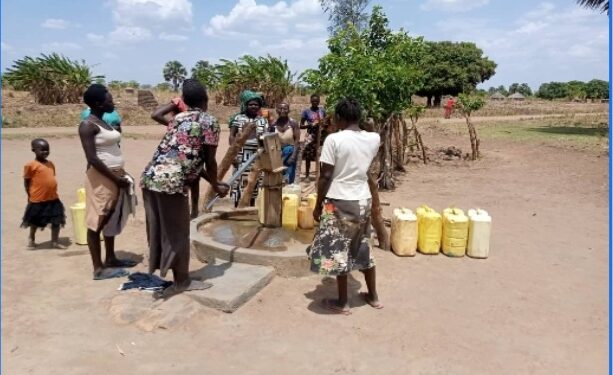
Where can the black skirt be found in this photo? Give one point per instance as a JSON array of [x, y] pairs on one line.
[[41, 214]]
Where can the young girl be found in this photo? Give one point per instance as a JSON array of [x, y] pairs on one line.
[[44, 206]]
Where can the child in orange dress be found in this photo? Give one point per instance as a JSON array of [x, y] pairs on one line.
[[44, 206]]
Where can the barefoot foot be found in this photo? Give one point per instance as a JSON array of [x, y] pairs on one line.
[[334, 306], [374, 302], [109, 273]]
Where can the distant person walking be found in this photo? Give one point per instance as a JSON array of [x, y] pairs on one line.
[[449, 107]]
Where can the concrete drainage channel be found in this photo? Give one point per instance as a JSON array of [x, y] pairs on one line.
[[240, 272]]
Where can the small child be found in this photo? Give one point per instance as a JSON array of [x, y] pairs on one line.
[[44, 206]]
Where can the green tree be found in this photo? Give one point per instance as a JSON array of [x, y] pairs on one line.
[[602, 5], [51, 79], [382, 70], [175, 73], [115, 84], [523, 89], [133, 84], [164, 86], [345, 12], [451, 68], [467, 104], [206, 73], [553, 90], [576, 90], [597, 89]]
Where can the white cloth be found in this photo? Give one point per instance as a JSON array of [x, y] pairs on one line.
[[107, 147], [351, 153]]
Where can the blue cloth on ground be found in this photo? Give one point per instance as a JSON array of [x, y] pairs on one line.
[[145, 281]]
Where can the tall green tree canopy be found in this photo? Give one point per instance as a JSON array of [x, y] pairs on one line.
[[523, 89], [175, 73], [345, 12], [597, 89], [206, 73], [380, 68], [451, 68]]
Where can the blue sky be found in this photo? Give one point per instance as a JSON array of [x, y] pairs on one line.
[[532, 41]]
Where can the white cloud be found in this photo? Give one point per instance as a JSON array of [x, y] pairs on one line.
[[61, 47], [296, 25], [55, 23], [250, 18], [151, 13], [543, 44], [6, 47], [453, 5], [172, 37], [129, 34]]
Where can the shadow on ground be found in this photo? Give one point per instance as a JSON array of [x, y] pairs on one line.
[[327, 289], [599, 131]]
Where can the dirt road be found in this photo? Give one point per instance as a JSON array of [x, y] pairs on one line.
[[538, 305]]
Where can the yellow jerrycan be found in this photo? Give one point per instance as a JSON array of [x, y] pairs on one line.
[[77, 212], [312, 200], [404, 232], [430, 227], [479, 232], [289, 213], [455, 232], [305, 216]]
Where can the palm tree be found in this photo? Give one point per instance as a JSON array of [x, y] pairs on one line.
[[603, 5], [174, 72]]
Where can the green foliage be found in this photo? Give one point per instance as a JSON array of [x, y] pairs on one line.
[[164, 86], [132, 84], [268, 75], [345, 12], [378, 67], [206, 74], [174, 72], [414, 112], [451, 68], [552, 90], [523, 89], [51, 79], [115, 85], [597, 89], [469, 103], [594, 89], [145, 86], [602, 5]]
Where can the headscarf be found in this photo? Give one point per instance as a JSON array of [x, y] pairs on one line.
[[247, 96]]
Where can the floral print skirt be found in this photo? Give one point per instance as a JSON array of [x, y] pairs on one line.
[[343, 240]]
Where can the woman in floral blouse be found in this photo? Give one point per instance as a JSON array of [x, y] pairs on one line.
[[342, 242], [189, 144]]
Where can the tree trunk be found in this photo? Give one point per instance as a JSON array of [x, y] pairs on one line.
[[228, 160], [474, 140], [399, 152], [386, 179], [376, 212], [429, 101]]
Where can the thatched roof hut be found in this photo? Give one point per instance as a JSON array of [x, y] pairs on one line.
[[497, 96], [517, 96]]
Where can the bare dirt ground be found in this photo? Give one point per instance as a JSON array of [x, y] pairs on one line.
[[538, 305]]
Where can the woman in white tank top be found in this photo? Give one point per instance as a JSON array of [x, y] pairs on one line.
[[104, 177], [289, 133]]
